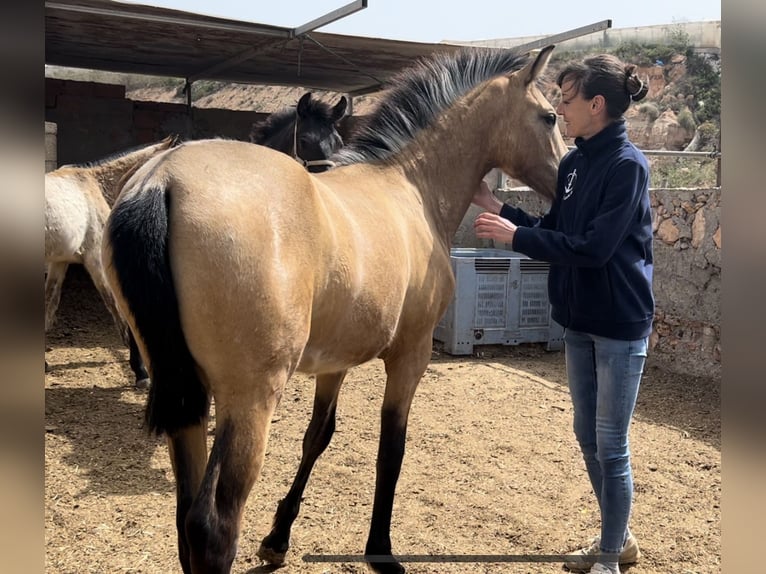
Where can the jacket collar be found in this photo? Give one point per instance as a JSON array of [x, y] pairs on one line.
[[606, 138]]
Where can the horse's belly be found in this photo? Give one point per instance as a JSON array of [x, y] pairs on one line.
[[340, 349], [66, 236], [316, 361], [69, 222]]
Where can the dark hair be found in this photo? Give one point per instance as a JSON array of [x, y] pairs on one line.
[[608, 76]]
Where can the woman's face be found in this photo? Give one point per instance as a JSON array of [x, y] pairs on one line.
[[581, 116]]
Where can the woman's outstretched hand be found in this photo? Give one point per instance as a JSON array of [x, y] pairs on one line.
[[492, 226]]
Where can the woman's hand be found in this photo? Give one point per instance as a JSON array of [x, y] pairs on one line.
[[492, 226], [485, 199]]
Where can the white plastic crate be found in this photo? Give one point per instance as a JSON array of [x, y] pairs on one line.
[[501, 298]]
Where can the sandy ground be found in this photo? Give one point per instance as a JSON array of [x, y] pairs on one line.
[[492, 466]]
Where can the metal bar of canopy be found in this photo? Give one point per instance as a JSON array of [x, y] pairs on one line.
[[330, 17], [556, 38], [174, 20], [293, 33]]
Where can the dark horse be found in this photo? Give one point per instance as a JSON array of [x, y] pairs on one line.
[[251, 268], [307, 133]]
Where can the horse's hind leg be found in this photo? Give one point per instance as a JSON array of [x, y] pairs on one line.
[[188, 455], [92, 263], [243, 416], [404, 370], [315, 441], [137, 363], [53, 280]]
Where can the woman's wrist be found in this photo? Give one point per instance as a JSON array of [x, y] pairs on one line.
[[495, 205]]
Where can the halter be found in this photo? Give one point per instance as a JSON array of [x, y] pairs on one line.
[[306, 163]]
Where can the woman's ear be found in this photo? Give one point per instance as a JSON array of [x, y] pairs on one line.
[[597, 104]]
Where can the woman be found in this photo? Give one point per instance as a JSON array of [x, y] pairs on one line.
[[597, 237]]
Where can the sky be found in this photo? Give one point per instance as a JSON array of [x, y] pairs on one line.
[[438, 20]]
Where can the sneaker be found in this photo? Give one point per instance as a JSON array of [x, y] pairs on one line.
[[599, 568], [586, 557]]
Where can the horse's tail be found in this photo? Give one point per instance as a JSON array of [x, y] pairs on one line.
[[138, 234]]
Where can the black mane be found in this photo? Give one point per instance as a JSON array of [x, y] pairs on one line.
[[277, 122], [419, 94], [272, 125]]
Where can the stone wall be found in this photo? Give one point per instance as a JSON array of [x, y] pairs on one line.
[[687, 285], [687, 273]]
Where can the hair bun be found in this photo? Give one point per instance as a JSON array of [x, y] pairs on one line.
[[634, 86]]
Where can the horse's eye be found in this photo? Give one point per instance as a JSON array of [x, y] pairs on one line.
[[550, 119]]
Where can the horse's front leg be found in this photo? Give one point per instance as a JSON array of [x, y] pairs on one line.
[[318, 434], [405, 367], [188, 456]]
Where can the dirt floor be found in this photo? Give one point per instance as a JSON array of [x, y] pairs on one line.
[[491, 468]]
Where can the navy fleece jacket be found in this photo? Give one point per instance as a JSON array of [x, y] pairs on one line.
[[597, 237]]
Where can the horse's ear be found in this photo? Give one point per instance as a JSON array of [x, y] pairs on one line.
[[303, 104], [537, 63], [339, 110]]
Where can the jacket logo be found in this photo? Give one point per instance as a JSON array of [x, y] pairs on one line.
[[569, 187]]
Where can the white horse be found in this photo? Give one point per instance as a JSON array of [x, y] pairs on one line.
[[78, 199]]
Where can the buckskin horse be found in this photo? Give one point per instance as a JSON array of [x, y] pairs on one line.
[[252, 269]]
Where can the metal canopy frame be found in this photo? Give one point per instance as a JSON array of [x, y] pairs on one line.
[[140, 39]]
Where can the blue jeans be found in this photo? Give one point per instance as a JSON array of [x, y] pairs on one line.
[[604, 375]]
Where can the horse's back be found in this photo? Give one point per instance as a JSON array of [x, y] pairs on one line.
[[236, 267], [263, 249]]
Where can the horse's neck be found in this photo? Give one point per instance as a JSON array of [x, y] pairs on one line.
[[281, 140], [110, 173], [107, 181], [448, 160], [285, 140]]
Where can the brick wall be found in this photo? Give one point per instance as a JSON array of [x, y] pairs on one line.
[[95, 120]]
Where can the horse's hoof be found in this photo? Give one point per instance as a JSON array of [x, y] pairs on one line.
[[385, 568], [271, 556], [142, 384]]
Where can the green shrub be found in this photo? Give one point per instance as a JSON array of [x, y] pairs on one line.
[[686, 120], [671, 172], [704, 78], [650, 110], [644, 54]]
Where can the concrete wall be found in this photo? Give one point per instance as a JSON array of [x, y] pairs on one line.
[[51, 145], [687, 273], [704, 36]]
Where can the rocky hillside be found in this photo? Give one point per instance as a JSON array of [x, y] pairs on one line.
[[663, 120]]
